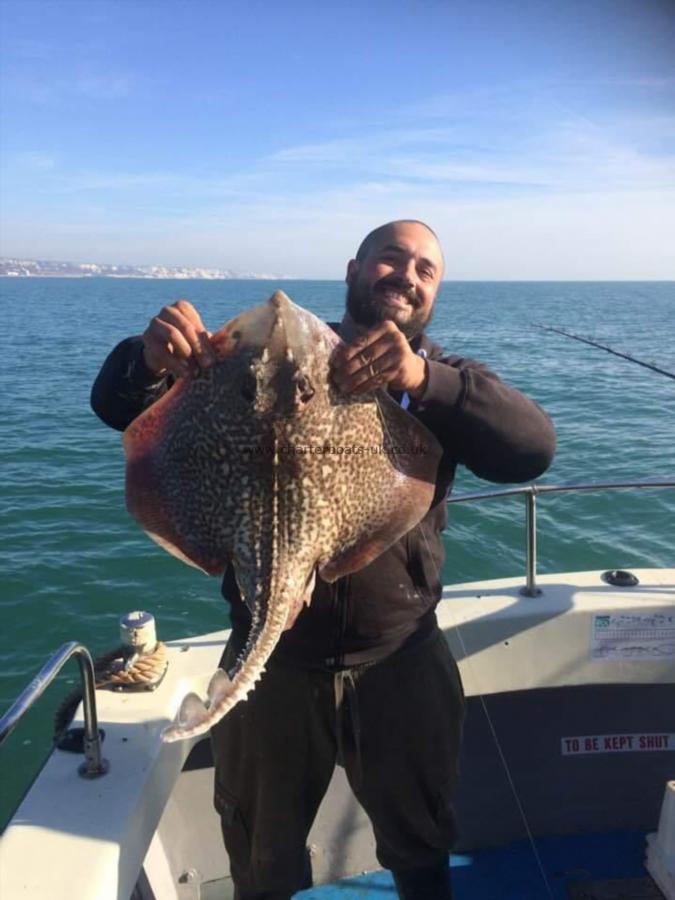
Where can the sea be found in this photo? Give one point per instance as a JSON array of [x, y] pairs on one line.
[[72, 560]]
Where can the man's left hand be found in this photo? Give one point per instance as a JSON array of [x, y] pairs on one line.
[[379, 357]]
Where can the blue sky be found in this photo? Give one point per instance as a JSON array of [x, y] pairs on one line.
[[536, 136]]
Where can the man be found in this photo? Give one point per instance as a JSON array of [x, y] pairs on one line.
[[364, 677]]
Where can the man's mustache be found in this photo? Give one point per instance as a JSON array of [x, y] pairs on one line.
[[396, 284]]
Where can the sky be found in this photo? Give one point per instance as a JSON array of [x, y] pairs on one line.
[[536, 137]]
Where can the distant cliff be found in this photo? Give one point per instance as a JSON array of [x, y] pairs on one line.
[[43, 268]]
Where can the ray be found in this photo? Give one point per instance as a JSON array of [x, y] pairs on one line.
[[260, 463]]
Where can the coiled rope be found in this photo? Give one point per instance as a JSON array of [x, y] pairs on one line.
[[121, 669]]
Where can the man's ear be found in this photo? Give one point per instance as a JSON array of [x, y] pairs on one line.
[[352, 271]]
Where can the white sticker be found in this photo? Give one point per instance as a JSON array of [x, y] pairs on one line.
[[636, 636], [616, 743]]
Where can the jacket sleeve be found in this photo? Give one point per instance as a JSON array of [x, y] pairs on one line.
[[125, 386], [494, 430]]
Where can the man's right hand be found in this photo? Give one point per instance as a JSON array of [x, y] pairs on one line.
[[176, 340]]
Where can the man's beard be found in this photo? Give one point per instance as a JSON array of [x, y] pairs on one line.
[[367, 307]]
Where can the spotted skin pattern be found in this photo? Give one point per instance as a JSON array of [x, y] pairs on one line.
[[260, 462]]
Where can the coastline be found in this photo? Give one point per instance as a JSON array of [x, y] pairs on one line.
[[84, 275]]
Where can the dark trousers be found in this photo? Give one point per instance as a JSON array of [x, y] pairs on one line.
[[396, 727]]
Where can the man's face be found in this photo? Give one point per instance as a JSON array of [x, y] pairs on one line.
[[398, 279]]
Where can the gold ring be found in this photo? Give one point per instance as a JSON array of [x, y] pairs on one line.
[[372, 370]]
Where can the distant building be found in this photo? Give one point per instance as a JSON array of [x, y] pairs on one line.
[[51, 269]]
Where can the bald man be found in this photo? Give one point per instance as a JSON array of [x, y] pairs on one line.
[[364, 678]]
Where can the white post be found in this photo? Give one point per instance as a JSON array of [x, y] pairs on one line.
[[660, 860]]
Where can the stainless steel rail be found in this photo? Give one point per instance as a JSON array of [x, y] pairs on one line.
[[94, 765], [530, 492]]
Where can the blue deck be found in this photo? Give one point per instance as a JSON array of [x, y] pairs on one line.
[[512, 872]]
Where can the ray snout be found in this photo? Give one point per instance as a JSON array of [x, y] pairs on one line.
[[276, 331]]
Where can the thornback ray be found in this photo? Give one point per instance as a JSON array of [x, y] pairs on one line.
[[260, 462]]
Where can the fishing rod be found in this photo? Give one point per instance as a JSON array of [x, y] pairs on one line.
[[633, 359]]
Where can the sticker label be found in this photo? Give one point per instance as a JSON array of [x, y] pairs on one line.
[[616, 743], [633, 636]]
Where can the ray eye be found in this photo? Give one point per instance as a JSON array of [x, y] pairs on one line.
[[248, 388], [304, 389]]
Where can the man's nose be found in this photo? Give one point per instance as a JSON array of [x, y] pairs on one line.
[[408, 272]]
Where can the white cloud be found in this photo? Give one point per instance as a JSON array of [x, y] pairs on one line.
[[86, 83], [570, 153], [512, 193], [617, 235], [36, 160]]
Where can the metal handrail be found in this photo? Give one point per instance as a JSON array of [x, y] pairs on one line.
[[94, 765], [530, 491]]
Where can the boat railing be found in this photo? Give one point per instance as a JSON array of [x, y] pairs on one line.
[[530, 492], [94, 765]]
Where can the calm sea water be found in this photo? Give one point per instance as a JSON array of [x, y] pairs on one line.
[[72, 560]]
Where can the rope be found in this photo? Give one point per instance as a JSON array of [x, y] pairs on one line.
[[145, 669], [118, 669]]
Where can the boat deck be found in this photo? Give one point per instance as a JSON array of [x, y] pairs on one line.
[[580, 867], [524, 660]]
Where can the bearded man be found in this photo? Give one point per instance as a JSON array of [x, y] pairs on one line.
[[364, 678]]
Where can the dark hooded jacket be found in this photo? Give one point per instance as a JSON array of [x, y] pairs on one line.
[[480, 422]]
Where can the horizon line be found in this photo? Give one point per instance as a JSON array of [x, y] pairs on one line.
[[341, 280]]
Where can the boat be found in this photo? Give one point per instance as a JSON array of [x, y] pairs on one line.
[[568, 763]]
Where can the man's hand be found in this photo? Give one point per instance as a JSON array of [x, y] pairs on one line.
[[381, 356], [176, 340]]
